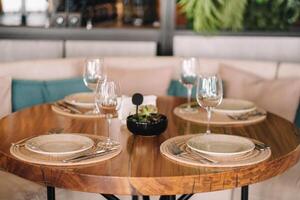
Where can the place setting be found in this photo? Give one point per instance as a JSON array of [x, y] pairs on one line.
[[83, 104], [210, 106], [211, 149], [65, 149]]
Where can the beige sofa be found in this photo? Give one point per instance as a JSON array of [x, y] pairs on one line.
[[12, 187]]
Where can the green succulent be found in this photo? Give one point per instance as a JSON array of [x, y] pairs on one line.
[[147, 113]]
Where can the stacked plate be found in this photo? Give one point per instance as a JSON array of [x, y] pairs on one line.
[[83, 100], [219, 145], [65, 144], [80, 105], [235, 106]]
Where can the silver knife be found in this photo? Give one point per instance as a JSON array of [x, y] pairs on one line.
[[89, 156], [68, 107]]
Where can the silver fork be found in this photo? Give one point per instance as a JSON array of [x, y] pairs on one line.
[[97, 152], [246, 116], [178, 152]]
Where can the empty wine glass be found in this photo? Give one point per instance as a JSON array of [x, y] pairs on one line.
[[209, 94], [188, 77], [108, 101], [94, 73]]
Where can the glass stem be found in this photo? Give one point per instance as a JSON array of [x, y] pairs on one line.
[[189, 95], [108, 129], [208, 120]]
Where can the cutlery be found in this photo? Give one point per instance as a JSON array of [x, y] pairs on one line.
[[246, 116], [261, 146], [68, 108], [178, 152], [94, 154], [22, 142]]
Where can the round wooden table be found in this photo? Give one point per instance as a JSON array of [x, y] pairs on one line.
[[140, 169]]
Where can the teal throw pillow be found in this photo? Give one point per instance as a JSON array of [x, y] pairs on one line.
[[26, 93], [58, 89]]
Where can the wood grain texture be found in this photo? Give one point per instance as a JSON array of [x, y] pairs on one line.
[[140, 169]]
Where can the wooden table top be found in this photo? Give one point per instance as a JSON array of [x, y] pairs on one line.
[[140, 169]]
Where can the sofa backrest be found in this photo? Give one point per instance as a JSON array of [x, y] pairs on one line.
[[14, 50], [72, 67], [289, 70], [269, 48], [82, 48]]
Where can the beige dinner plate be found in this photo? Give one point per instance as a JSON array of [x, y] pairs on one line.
[[59, 144], [235, 106], [83, 99], [220, 144]]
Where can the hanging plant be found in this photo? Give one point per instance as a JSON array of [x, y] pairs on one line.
[[271, 14], [214, 15]]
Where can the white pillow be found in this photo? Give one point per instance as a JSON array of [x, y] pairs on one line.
[[5, 96]]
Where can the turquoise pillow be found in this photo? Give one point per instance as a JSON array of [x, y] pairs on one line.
[[58, 89], [177, 89], [26, 93], [297, 119]]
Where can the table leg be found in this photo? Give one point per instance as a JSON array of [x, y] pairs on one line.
[[50, 193], [172, 197], [185, 196], [135, 197], [146, 198], [167, 197], [110, 197], [245, 192]]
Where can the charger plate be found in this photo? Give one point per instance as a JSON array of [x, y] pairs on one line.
[[22, 153], [195, 159], [216, 118]]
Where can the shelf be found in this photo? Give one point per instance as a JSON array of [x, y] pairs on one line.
[[241, 33], [114, 33]]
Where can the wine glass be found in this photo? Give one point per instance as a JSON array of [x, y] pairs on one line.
[[209, 94], [188, 77], [108, 101], [94, 73]]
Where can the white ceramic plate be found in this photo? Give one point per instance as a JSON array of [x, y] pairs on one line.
[[235, 106], [220, 145], [84, 99], [59, 144]]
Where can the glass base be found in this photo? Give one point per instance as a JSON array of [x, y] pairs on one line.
[[108, 143]]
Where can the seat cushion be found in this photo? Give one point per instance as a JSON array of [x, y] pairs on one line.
[[5, 96], [15, 188], [279, 96], [283, 187]]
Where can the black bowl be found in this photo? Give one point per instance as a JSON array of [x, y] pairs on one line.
[[147, 128]]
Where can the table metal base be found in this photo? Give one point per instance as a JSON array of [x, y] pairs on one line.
[[244, 195], [245, 192], [50, 193]]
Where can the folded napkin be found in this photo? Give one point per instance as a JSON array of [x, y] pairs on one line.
[[127, 108]]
